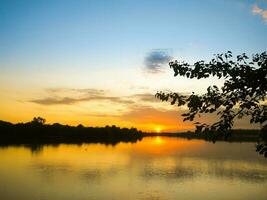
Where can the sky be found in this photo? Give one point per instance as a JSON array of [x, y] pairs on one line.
[[100, 63]]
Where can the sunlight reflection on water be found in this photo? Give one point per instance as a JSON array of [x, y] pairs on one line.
[[154, 168]]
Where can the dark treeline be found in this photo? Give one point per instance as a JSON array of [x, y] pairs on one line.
[[37, 132]]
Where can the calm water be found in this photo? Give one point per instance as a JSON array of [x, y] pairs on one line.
[[154, 168]]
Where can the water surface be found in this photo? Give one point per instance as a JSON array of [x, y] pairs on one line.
[[154, 168]]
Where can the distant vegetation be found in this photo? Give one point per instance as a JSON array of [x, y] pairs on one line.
[[36, 134], [236, 135], [37, 131]]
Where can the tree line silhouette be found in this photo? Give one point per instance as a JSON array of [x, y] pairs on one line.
[[37, 131]]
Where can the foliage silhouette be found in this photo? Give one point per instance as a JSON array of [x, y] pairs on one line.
[[38, 121], [242, 94], [37, 132]]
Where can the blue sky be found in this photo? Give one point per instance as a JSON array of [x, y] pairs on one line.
[[105, 44], [122, 31]]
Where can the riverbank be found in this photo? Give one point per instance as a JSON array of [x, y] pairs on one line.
[[38, 133], [32, 132]]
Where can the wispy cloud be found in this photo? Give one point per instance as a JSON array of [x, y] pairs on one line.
[[156, 60], [70, 100], [82, 95], [104, 115], [55, 101], [256, 10], [76, 90], [145, 97], [68, 96]]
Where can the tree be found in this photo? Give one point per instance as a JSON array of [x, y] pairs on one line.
[[38, 121], [242, 94]]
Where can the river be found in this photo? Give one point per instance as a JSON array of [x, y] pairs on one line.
[[154, 168]]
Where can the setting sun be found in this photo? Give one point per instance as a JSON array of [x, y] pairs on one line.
[[158, 129]]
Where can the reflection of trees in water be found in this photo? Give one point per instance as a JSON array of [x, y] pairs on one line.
[[37, 148]]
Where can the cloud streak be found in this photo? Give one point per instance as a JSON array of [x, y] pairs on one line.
[[145, 97], [256, 10], [156, 59], [87, 96], [76, 90], [69, 100], [69, 96]]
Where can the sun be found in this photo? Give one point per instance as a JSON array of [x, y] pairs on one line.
[[158, 129]]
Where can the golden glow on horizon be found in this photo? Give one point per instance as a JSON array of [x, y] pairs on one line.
[[158, 129], [23, 111], [149, 116]]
